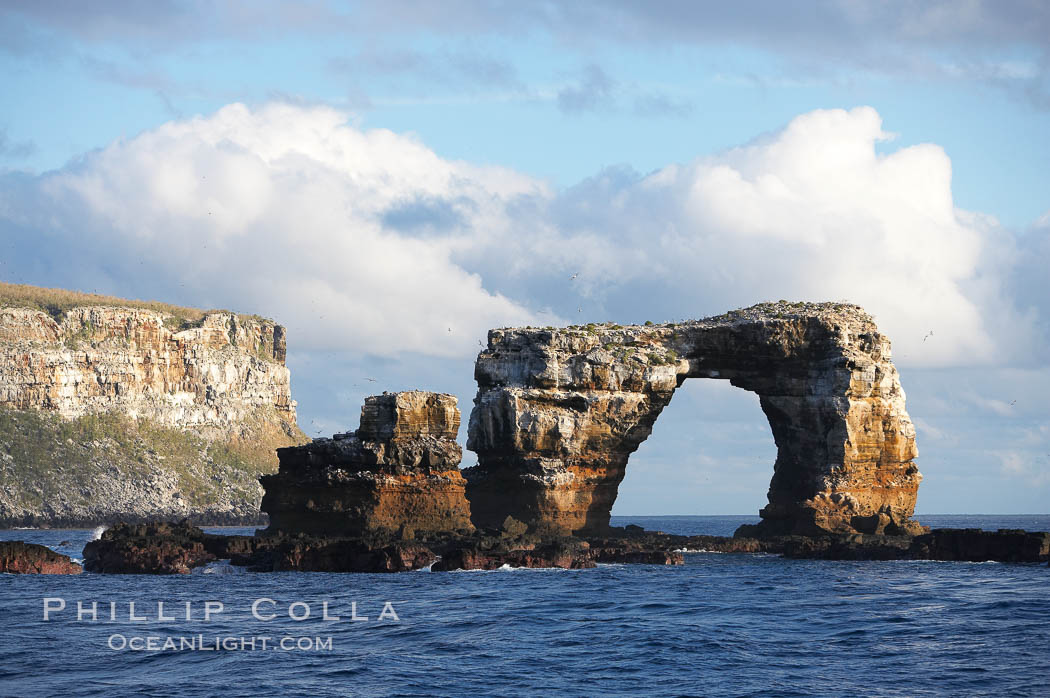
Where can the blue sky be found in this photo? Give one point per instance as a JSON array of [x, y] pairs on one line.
[[391, 179]]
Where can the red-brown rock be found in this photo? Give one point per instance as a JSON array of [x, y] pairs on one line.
[[397, 475], [17, 557]]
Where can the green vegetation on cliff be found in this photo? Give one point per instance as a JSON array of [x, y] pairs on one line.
[[103, 467], [57, 302]]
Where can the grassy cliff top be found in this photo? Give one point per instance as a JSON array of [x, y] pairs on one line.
[[57, 302]]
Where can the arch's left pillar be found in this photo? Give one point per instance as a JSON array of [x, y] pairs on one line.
[[554, 459]]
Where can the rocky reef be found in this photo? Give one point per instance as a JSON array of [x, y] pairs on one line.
[[560, 410], [178, 548], [946, 544], [135, 411], [17, 557], [398, 474]]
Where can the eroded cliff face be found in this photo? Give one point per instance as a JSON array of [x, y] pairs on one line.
[[111, 412], [105, 359], [559, 412], [398, 474]]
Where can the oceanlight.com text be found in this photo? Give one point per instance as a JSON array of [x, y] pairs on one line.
[[217, 643]]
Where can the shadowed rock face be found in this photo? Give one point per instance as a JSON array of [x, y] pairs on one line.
[[559, 412], [397, 474]]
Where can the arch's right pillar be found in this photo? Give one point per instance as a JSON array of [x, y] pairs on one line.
[[559, 411]]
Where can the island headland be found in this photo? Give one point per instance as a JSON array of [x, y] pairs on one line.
[[557, 415], [115, 410]]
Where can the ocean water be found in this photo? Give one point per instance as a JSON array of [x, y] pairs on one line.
[[721, 625]]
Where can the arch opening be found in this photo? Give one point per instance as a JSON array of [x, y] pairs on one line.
[[709, 454]]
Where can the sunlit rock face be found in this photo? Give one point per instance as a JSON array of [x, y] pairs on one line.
[[111, 412], [99, 359], [397, 474], [560, 410]]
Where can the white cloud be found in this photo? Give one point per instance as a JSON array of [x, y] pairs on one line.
[[929, 431], [369, 242], [813, 212], [1026, 466], [280, 210]]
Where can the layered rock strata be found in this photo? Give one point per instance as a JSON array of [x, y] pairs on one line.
[[397, 474], [560, 410], [99, 359], [115, 413]]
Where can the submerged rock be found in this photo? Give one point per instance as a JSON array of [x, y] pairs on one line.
[[560, 410], [397, 475], [17, 557], [851, 547], [968, 545], [634, 545]]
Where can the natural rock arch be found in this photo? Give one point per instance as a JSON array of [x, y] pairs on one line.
[[560, 410]]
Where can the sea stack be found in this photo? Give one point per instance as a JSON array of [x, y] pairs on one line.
[[397, 475]]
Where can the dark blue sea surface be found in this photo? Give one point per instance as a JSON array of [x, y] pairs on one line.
[[723, 624]]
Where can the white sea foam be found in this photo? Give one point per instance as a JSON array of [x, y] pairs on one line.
[[504, 568], [430, 567], [509, 568], [699, 550], [958, 562], [218, 567], [97, 533]]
